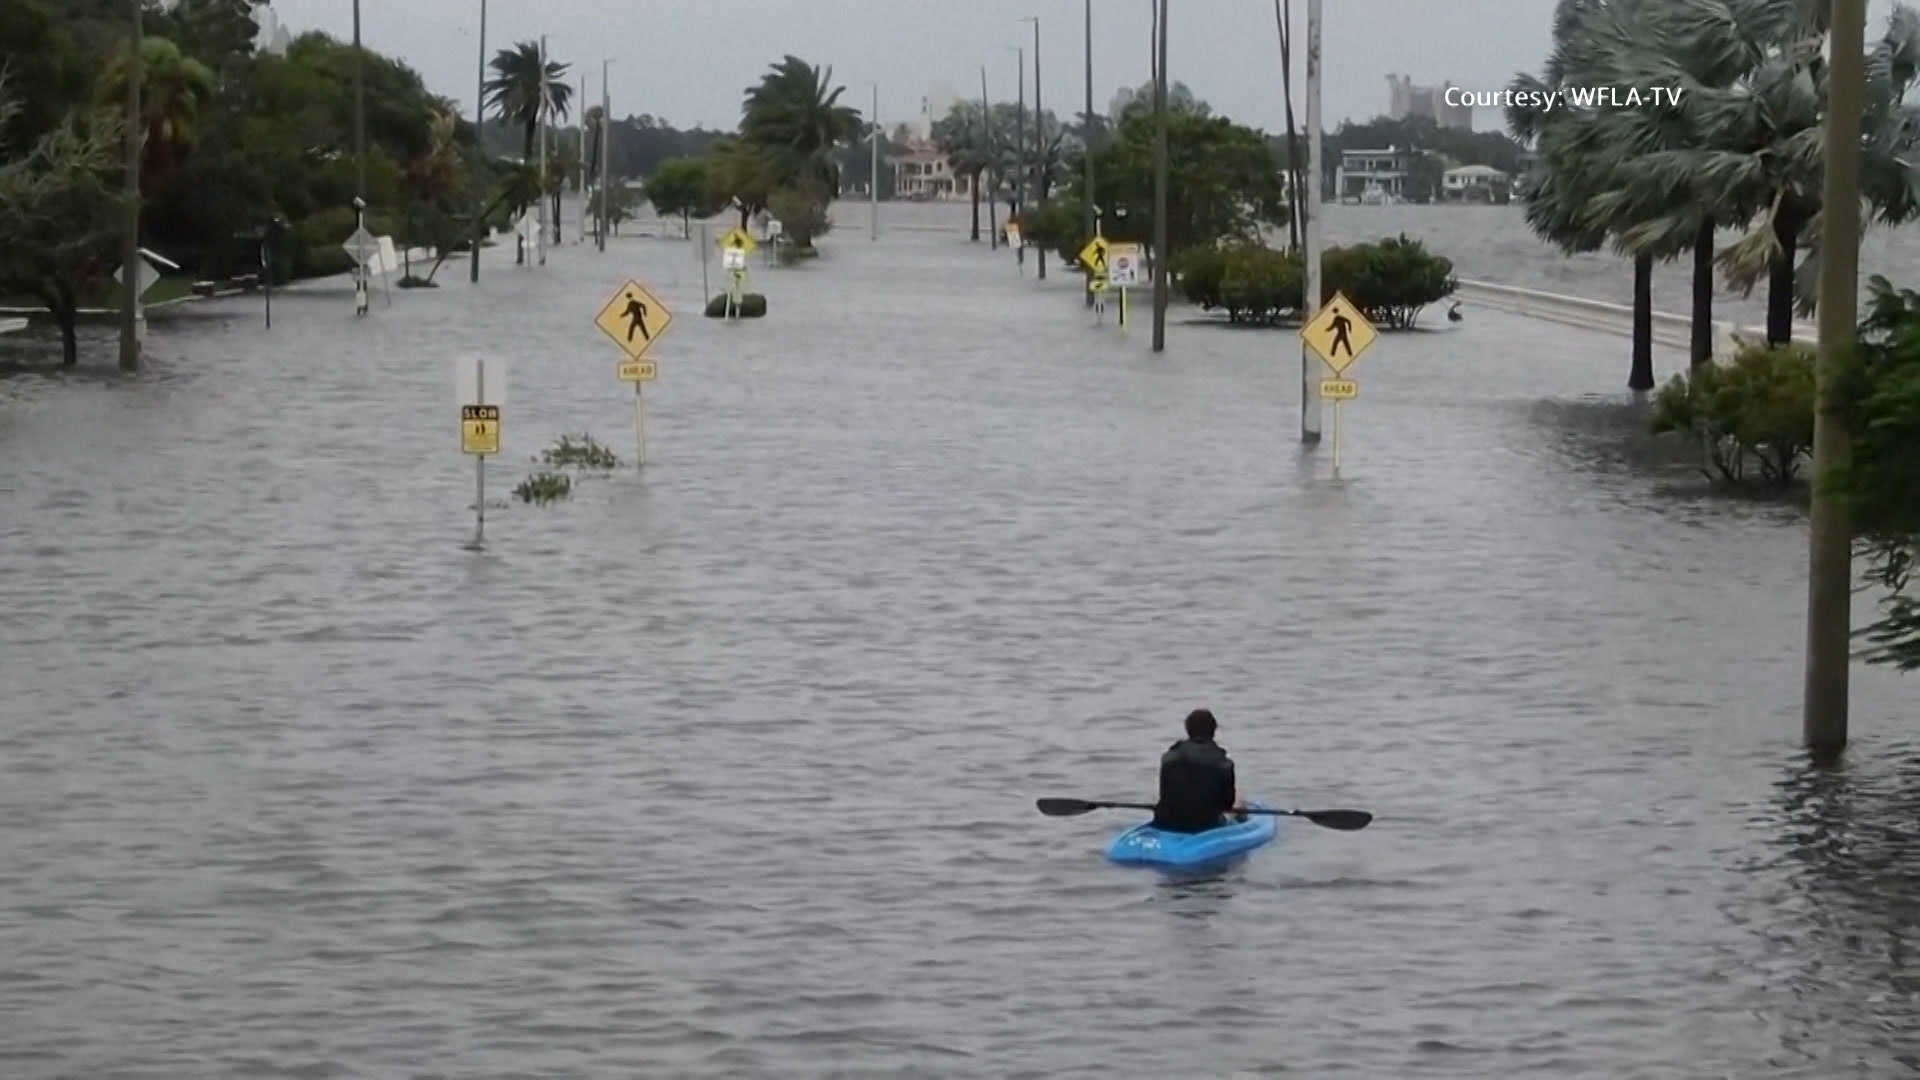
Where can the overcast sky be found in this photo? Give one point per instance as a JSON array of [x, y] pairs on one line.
[[689, 60]]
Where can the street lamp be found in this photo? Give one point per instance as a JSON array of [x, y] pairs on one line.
[[1039, 140], [873, 182], [1020, 152], [480, 137]]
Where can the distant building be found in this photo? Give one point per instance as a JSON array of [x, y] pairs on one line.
[[934, 107], [273, 38], [1373, 176], [924, 173], [1475, 183], [1404, 99]]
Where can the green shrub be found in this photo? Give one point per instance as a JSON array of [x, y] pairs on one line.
[[1756, 411], [752, 306], [802, 212], [584, 453], [1390, 281], [1201, 272], [1261, 285], [1881, 389], [544, 487]]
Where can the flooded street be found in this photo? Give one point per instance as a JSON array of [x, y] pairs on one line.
[[727, 766]]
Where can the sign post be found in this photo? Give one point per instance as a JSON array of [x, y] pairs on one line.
[[1093, 259], [735, 246], [1338, 334], [481, 387], [635, 319], [1123, 272]]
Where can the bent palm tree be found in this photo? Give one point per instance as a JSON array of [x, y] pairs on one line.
[[173, 87], [795, 117], [519, 94]]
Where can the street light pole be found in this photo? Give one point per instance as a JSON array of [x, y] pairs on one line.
[[1039, 144], [1087, 130], [606, 154], [480, 137], [540, 119], [1020, 159], [993, 192], [873, 183], [1830, 555], [130, 316], [1160, 183], [362, 288]]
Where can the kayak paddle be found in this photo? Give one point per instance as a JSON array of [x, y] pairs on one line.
[[1343, 820]]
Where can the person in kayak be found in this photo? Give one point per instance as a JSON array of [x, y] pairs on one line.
[[1197, 786]]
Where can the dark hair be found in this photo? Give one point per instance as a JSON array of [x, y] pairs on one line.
[[1200, 724]]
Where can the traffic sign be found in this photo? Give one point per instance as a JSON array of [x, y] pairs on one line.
[[1098, 284], [1339, 333], [480, 429], [738, 239], [1339, 389], [1013, 234], [734, 259], [1093, 257], [634, 319], [361, 244], [638, 371], [1123, 264]]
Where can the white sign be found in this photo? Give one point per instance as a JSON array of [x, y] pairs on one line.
[[733, 259], [1123, 268], [480, 380], [147, 278], [774, 228], [360, 242]]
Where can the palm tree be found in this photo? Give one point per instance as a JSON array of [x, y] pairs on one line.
[[514, 91], [1575, 163], [796, 119], [1762, 153], [172, 91], [962, 136]]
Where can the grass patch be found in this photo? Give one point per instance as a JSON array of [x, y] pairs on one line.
[[106, 294], [583, 453]]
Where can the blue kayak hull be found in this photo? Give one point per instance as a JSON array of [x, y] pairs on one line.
[[1144, 845]]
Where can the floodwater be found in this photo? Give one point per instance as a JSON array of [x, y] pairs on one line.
[[726, 767]]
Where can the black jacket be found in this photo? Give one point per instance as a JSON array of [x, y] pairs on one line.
[[1196, 786]]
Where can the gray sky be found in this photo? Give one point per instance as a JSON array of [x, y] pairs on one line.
[[689, 60]]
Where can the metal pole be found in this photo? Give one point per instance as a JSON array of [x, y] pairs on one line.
[[873, 185], [130, 315], [640, 420], [480, 136], [1310, 365], [362, 289], [540, 120], [605, 220], [266, 279], [986, 126], [1087, 131], [480, 462], [1830, 555], [580, 224], [1160, 186], [1020, 160], [1039, 147]]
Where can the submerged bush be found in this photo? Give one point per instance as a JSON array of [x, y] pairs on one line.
[[584, 453], [543, 488], [1752, 419], [1391, 281]]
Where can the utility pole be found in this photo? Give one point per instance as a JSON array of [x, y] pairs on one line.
[[363, 288], [1830, 555], [1310, 365], [606, 154], [1087, 130], [130, 261], [873, 183], [480, 136], [993, 193], [1039, 146], [540, 120], [580, 225], [1160, 184]]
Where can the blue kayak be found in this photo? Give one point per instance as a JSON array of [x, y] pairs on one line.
[[1144, 845]]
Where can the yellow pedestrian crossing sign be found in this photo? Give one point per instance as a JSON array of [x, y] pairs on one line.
[[634, 319], [1339, 333], [1093, 257], [738, 239]]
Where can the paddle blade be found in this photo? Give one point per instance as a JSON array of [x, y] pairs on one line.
[[1344, 820], [1066, 807]]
